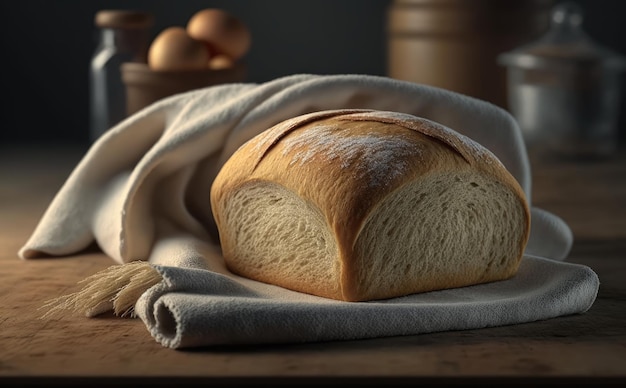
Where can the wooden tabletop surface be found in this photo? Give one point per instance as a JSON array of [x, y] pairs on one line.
[[590, 196]]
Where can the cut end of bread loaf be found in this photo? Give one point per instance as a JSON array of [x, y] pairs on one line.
[[455, 228], [278, 238], [366, 205]]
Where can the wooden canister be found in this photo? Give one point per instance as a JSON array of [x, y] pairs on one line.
[[454, 44]]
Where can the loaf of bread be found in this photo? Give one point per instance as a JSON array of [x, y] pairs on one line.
[[360, 205]]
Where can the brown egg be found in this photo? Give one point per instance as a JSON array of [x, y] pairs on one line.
[[220, 61], [174, 50], [224, 32]]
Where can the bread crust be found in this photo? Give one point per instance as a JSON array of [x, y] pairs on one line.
[[292, 156]]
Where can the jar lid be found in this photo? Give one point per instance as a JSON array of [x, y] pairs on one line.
[[119, 18], [565, 45]]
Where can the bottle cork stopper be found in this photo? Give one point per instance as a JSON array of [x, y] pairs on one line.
[[130, 19]]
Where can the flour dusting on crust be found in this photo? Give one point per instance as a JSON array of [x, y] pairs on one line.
[[467, 147], [381, 158]]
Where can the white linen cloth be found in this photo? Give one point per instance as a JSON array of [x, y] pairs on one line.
[[142, 193]]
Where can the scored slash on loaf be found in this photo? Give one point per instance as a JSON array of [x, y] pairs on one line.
[[360, 205]]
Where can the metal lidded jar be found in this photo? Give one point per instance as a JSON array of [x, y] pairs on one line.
[[564, 90]]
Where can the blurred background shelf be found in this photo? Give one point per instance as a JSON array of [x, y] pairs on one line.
[[48, 44]]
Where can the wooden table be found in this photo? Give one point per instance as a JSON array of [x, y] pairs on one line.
[[589, 347]]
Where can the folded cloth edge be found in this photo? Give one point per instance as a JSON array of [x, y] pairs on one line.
[[280, 322]]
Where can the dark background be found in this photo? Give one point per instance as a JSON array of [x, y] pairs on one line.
[[47, 46]]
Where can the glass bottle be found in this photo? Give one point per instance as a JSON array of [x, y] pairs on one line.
[[124, 36]]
